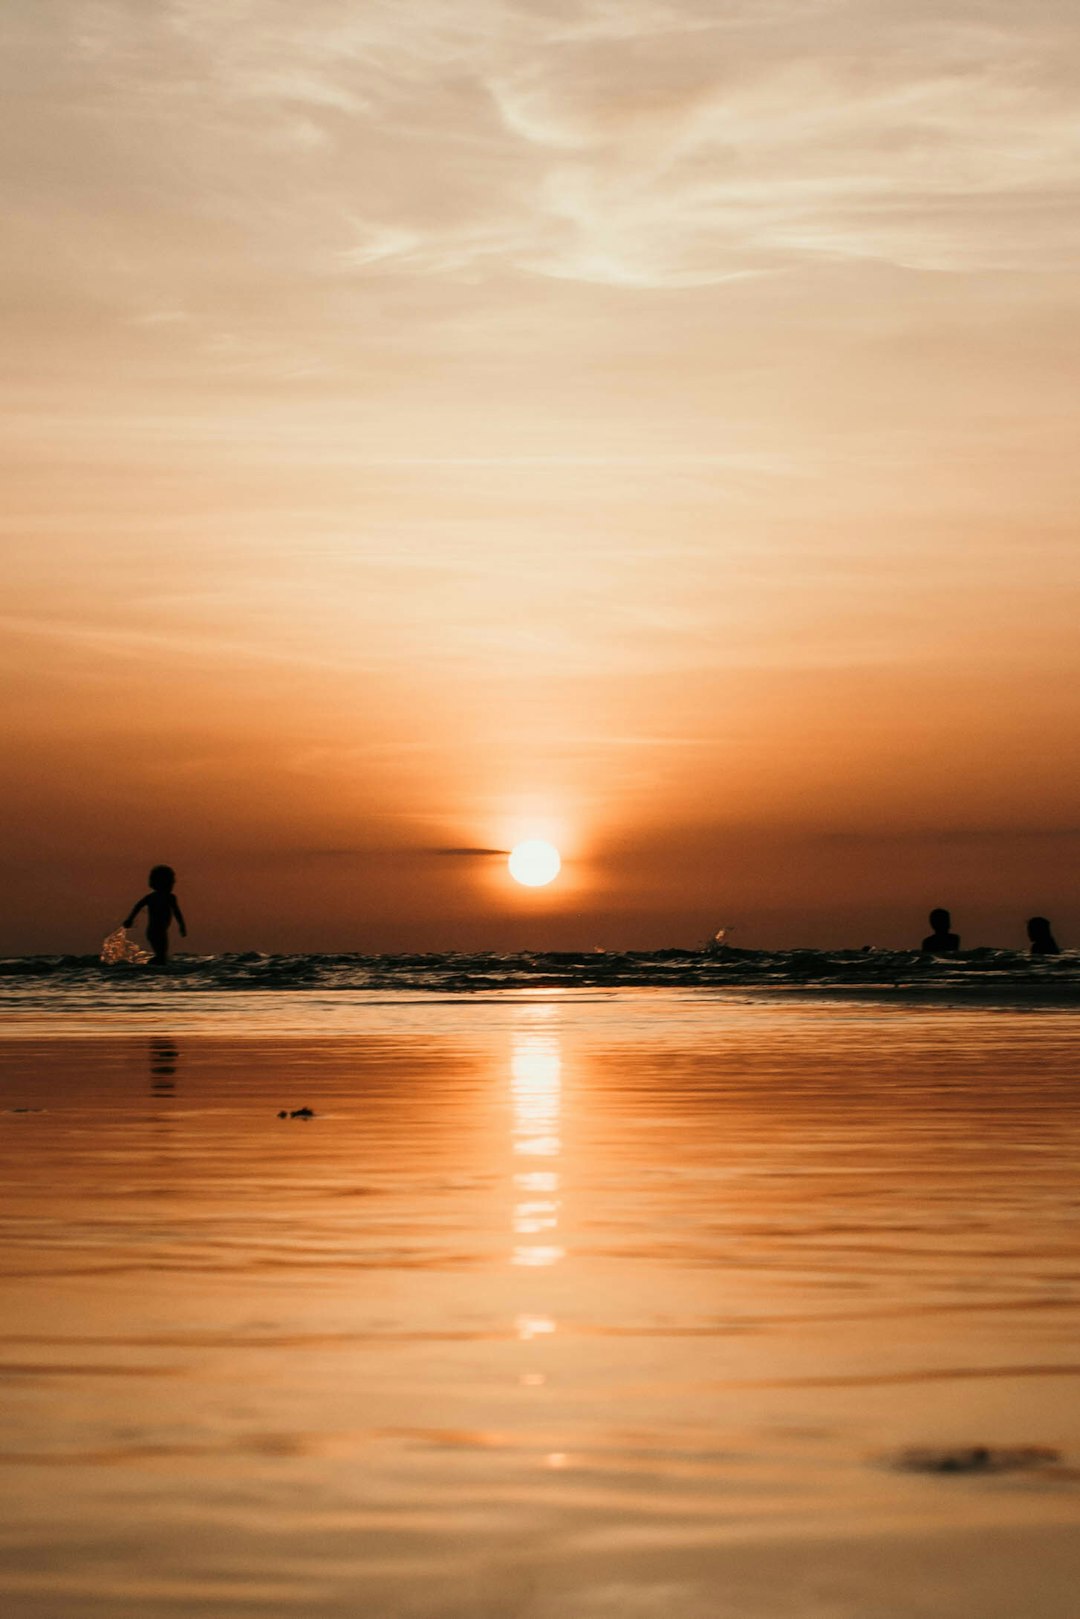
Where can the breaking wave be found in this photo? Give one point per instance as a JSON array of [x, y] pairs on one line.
[[982, 972]]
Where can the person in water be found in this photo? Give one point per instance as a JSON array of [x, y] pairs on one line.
[[161, 907], [942, 942], [1043, 942]]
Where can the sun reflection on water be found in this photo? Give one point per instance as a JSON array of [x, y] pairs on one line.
[[536, 1100]]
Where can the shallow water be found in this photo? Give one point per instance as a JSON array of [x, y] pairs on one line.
[[621, 1304]]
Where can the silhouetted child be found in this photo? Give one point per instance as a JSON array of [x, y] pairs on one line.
[[1043, 942], [161, 907], [941, 942]]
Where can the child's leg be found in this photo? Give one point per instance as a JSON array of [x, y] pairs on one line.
[[158, 940]]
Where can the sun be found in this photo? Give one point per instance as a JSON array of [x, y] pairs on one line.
[[534, 863]]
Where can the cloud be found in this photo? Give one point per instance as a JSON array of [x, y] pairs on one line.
[[1009, 834], [466, 852], [405, 852], [114, 641], [642, 145]]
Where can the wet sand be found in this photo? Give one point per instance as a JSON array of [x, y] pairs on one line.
[[558, 1306]]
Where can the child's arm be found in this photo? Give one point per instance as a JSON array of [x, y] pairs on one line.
[[179, 915], [129, 919]]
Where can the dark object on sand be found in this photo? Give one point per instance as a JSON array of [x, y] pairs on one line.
[[297, 1113], [976, 1459]]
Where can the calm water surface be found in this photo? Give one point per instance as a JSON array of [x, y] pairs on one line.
[[582, 1305]]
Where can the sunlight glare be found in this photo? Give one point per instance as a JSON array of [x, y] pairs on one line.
[[535, 863]]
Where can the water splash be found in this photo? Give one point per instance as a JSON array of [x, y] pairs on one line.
[[118, 948]]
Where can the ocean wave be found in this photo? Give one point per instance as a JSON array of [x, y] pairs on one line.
[[986, 970]]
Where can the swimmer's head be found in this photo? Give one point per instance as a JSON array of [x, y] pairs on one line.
[[940, 920]]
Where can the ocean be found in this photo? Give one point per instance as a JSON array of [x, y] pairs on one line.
[[62, 983], [457, 1287]]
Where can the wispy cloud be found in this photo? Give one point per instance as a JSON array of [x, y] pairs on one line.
[[115, 641], [644, 145], [956, 835], [395, 851]]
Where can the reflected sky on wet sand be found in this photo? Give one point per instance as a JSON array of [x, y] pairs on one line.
[[621, 1306]]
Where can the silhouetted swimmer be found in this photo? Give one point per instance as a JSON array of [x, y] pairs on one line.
[[941, 942], [161, 907], [1043, 942]]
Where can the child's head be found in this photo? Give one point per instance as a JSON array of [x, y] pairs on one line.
[[162, 879], [1038, 929], [940, 920]]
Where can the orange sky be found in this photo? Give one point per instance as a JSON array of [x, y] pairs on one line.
[[649, 425]]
